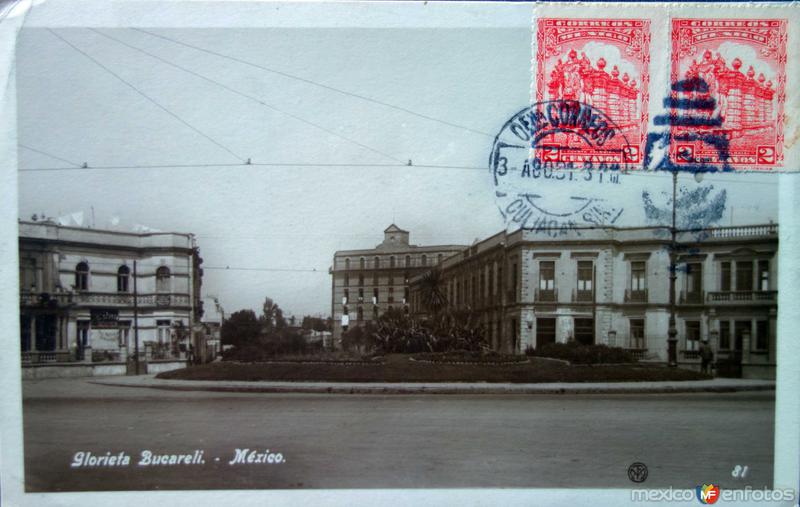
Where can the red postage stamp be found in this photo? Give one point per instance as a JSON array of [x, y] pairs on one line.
[[728, 105], [603, 64]]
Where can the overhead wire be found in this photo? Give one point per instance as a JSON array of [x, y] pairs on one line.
[[251, 97], [42, 152], [146, 96], [317, 84]]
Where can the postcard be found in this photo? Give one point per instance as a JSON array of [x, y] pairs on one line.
[[399, 252]]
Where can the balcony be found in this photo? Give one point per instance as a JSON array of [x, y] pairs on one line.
[[692, 298], [47, 299], [546, 295], [745, 231], [743, 296], [31, 357], [638, 354], [126, 299], [636, 296], [582, 296]]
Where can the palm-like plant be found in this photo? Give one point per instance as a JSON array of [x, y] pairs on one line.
[[432, 294]]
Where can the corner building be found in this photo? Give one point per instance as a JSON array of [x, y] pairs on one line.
[[611, 286], [367, 283]]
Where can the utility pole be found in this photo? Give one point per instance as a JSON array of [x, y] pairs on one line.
[[135, 320], [672, 340]]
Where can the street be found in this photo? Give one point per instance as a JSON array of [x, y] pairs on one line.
[[393, 441]]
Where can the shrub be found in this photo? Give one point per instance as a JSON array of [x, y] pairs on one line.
[[578, 353], [469, 356]]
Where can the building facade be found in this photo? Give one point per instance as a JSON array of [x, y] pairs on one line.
[[86, 293], [366, 283], [611, 286]]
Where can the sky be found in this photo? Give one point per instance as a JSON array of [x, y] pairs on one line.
[[466, 82]]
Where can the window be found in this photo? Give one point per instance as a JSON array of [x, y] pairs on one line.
[[406, 277], [360, 280], [482, 286], [374, 295], [360, 313], [547, 281], [438, 258], [162, 279], [347, 263], [346, 296], [83, 335], [725, 276], [500, 279], [376, 262], [763, 275], [492, 291], [547, 275], [408, 261], [391, 261], [124, 330], [123, 275], [585, 276], [637, 334], [82, 276], [361, 294], [391, 294], [545, 331], [694, 278], [638, 275], [375, 279], [375, 313], [362, 263], [346, 279], [741, 328], [762, 336], [692, 335], [163, 331], [513, 283], [406, 293], [744, 275], [424, 260], [584, 331], [724, 335]]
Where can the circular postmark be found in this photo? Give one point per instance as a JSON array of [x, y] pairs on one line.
[[552, 162], [637, 472]]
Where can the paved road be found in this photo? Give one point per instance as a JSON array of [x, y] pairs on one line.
[[395, 441]]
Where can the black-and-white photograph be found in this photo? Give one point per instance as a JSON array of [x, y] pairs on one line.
[[364, 256]]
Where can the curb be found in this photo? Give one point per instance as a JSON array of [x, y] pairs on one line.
[[624, 388]]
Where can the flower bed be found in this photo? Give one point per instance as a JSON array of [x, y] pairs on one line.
[[467, 357], [580, 354]]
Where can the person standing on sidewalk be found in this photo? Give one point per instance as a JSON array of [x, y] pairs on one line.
[[706, 356]]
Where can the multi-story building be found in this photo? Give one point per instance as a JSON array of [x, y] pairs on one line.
[[85, 293], [366, 283], [611, 286]]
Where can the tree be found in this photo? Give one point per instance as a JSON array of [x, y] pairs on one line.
[[240, 329], [272, 316]]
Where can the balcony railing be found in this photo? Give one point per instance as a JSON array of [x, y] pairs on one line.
[[29, 298], [637, 353], [743, 296], [690, 354], [546, 295], [745, 230], [692, 298], [34, 357], [636, 296], [582, 296]]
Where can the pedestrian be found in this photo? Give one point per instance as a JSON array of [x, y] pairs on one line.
[[706, 356]]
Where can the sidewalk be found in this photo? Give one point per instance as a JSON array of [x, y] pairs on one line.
[[718, 385]]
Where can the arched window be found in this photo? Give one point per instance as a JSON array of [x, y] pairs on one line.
[[162, 279], [361, 264], [123, 275], [408, 261], [347, 264], [424, 260], [82, 276], [391, 261], [376, 262]]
